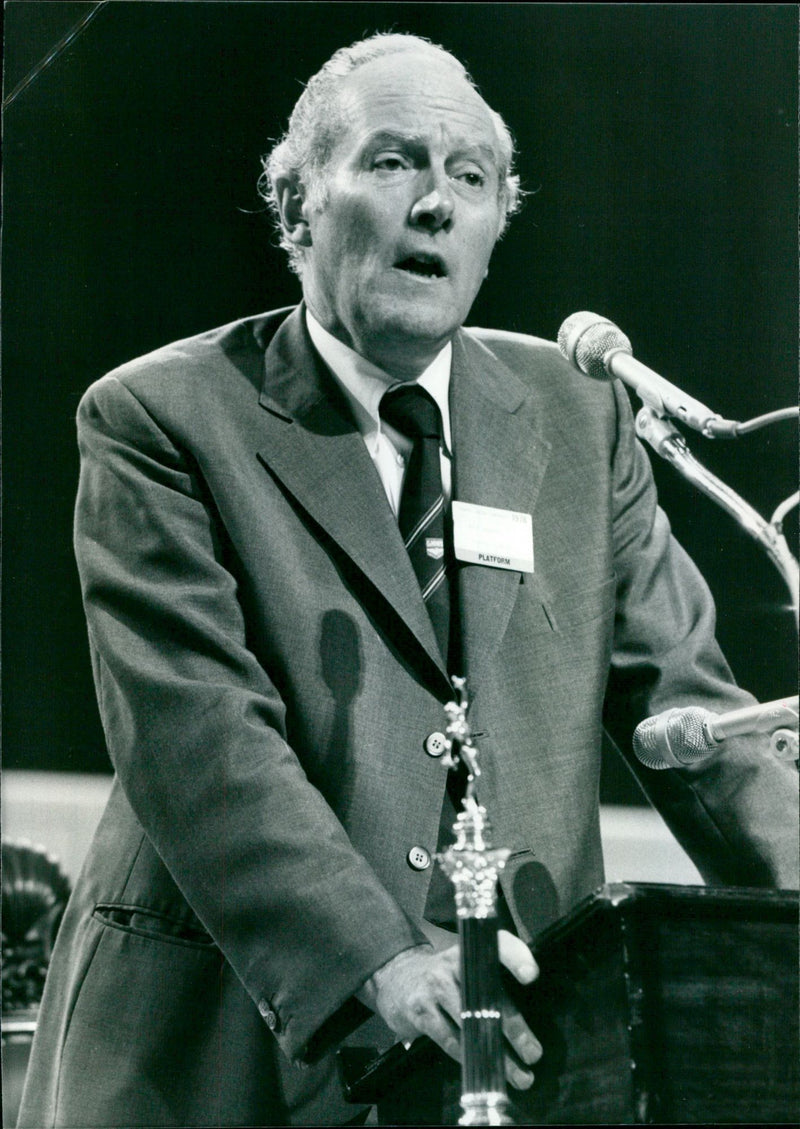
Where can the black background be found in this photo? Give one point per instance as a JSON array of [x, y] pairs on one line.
[[658, 145]]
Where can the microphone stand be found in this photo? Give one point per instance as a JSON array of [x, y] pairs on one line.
[[667, 441]]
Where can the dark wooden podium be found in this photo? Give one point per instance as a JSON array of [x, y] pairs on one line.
[[668, 1004]]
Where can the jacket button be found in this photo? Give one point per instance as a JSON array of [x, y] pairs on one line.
[[419, 858], [435, 744], [268, 1015]]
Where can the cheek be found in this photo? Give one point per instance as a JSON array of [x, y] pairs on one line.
[[343, 249], [367, 231], [483, 248], [336, 225]]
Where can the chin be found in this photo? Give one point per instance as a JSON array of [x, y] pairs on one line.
[[422, 322]]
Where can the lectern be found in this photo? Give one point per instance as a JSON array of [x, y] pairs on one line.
[[655, 1003]]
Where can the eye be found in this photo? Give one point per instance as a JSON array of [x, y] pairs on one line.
[[473, 178], [390, 162]]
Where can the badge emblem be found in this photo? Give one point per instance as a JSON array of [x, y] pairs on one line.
[[434, 547]]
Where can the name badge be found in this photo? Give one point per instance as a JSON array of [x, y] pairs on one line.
[[497, 538]]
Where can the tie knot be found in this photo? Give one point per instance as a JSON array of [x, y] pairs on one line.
[[413, 411]]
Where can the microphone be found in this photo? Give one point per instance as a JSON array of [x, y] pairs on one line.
[[601, 350], [681, 737]]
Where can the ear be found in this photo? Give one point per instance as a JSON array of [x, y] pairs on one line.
[[293, 210]]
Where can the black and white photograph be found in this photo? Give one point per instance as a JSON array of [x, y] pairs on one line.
[[400, 564]]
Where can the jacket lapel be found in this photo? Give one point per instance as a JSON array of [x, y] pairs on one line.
[[312, 446], [500, 460]]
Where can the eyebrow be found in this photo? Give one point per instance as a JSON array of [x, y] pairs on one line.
[[394, 137]]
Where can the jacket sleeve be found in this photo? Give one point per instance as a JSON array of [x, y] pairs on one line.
[[196, 733], [736, 814]]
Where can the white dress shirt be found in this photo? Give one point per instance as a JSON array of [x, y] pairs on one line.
[[363, 385]]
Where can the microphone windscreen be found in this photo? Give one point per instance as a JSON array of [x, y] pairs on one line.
[[585, 339], [673, 739]]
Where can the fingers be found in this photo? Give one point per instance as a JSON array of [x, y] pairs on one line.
[[516, 1075], [444, 1032], [417, 993], [525, 1048], [436, 1012], [516, 957]]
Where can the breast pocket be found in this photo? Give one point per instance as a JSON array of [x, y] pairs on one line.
[[582, 605]]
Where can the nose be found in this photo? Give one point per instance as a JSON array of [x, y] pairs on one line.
[[433, 211]]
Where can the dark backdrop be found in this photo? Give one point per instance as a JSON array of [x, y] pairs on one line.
[[658, 145]]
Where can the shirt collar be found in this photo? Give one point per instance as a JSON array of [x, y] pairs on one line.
[[363, 383]]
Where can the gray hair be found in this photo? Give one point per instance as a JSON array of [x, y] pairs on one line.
[[317, 121]]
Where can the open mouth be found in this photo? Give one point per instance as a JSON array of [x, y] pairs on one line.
[[422, 266]]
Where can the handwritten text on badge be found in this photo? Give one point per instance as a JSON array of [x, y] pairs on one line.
[[497, 538]]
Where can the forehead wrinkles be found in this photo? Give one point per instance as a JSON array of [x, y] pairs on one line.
[[417, 103], [423, 117]]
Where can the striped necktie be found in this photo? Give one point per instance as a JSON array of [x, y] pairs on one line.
[[413, 412]]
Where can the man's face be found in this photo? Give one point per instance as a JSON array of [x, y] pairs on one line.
[[402, 241]]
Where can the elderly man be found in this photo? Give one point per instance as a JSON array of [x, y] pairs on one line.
[[275, 597]]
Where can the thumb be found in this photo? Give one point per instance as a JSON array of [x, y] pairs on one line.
[[516, 957]]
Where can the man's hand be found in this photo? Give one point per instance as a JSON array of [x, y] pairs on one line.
[[418, 993]]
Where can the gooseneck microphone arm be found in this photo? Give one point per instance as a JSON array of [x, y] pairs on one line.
[[667, 441], [600, 350]]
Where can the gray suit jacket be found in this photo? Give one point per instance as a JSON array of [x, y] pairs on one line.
[[267, 674]]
